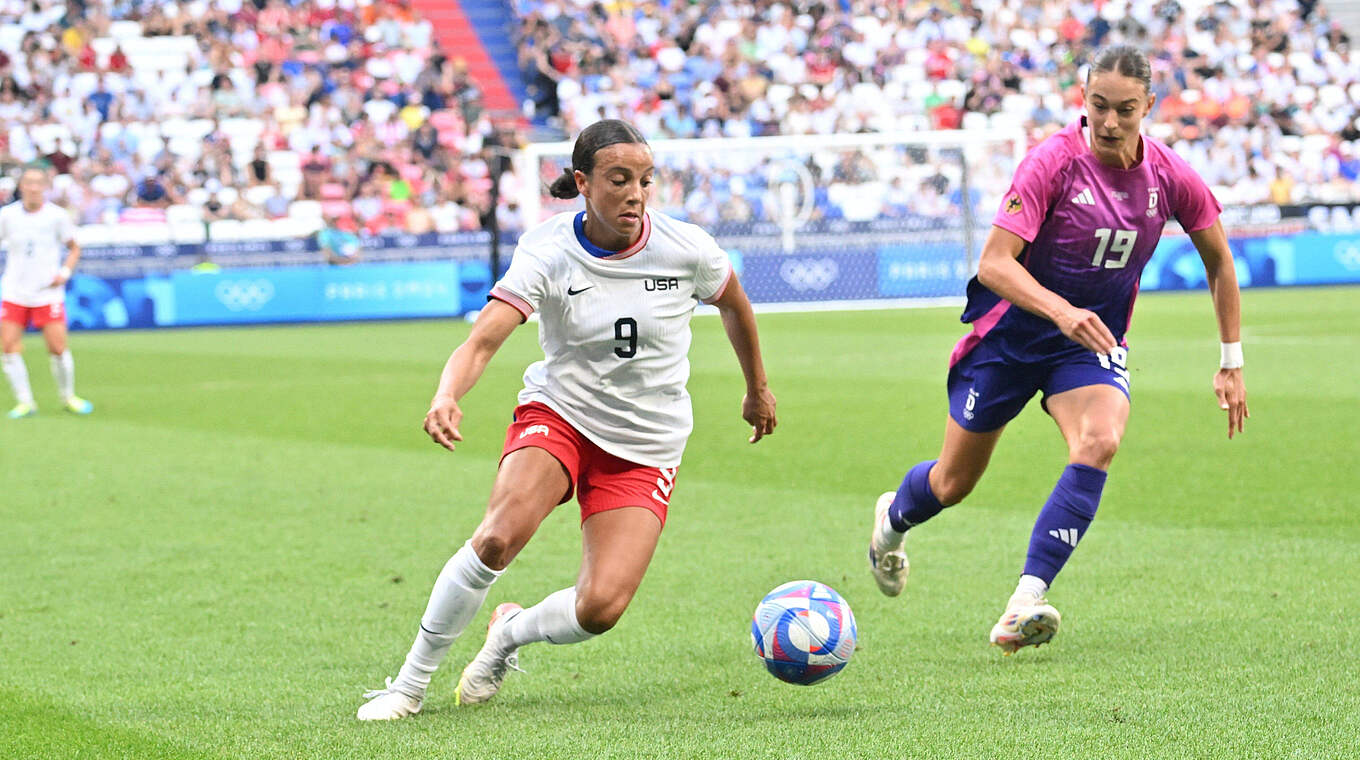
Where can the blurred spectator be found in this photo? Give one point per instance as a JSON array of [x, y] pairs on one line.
[[340, 246], [151, 192], [1282, 187], [257, 170]]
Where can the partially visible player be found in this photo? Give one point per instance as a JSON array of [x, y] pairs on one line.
[[35, 233], [605, 414], [1049, 307]]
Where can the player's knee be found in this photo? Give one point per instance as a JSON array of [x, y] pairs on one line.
[[1096, 448], [496, 544], [598, 612]]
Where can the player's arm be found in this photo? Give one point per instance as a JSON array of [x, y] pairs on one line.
[[68, 267], [465, 365], [1000, 270], [1221, 274], [757, 406]]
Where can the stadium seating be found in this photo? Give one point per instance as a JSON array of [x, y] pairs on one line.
[[333, 94], [1262, 98], [1247, 91]]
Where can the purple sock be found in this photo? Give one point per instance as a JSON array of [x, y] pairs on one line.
[[1063, 520], [915, 502]]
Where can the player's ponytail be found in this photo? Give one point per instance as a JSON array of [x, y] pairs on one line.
[[599, 135], [565, 185], [1125, 60]]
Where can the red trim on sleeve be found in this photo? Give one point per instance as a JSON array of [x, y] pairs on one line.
[[721, 288], [506, 297]]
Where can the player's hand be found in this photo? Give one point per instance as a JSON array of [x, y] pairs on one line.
[[1086, 327], [757, 408], [57, 281], [441, 422], [1231, 390]]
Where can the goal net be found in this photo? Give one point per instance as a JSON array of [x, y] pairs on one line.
[[826, 221]]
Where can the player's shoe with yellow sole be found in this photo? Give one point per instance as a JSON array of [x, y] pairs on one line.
[[889, 563], [78, 405], [482, 677], [388, 704], [21, 411], [1027, 622]]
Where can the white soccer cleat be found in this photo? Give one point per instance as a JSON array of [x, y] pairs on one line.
[[388, 704], [482, 677], [1027, 622], [889, 563]]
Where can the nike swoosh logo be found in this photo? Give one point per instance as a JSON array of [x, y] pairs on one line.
[[571, 292]]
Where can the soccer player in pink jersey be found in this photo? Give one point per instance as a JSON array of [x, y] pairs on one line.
[[40, 253], [605, 414], [1049, 309]]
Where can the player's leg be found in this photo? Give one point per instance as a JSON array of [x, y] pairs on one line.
[[618, 540], [63, 366], [926, 490], [16, 372], [531, 481], [985, 393], [617, 547], [1092, 420]]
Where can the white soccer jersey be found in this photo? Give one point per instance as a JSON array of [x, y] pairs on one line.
[[614, 328], [35, 247]]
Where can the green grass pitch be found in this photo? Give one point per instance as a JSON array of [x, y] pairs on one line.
[[241, 540]]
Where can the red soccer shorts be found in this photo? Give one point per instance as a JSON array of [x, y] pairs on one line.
[[601, 480], [35, 316]]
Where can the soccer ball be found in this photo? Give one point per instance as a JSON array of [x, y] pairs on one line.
[[804, 631]]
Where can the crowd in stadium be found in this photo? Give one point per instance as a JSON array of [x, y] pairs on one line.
[[1261, 95], [347, 111], [192, 112]]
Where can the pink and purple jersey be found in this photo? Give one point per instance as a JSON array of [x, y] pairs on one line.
[[1091, 229]]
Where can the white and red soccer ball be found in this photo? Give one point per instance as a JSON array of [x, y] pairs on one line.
[[804, 631]]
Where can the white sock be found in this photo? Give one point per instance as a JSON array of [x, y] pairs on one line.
[[64, 372], [888, 538], [552, 620], [1031, 585], [458, 593], [17, 373]]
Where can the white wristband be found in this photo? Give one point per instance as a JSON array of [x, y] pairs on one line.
[[1231, 355], [65, 272]]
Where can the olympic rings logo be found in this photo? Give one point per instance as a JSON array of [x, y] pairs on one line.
[[244, 295], [1348, 255], [809, 274]]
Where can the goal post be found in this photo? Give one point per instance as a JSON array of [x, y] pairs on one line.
[[825, 221]]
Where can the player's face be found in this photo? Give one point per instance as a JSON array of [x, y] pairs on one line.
[[616, 193], [33, 189], [1115, 107]]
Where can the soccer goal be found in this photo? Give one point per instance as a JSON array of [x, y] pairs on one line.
[[826, 221]]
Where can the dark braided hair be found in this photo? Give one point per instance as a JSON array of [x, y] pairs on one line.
[[599, 135]]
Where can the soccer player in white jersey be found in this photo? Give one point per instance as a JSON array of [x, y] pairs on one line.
[[34, 234], [1049, 308], [605, 414]]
